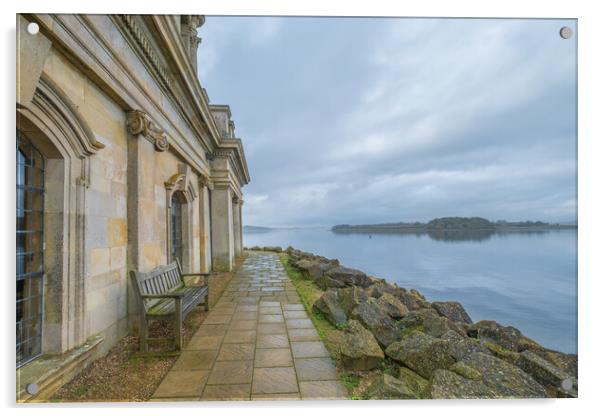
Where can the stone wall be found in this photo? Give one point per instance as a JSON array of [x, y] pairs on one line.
[[116, 108]]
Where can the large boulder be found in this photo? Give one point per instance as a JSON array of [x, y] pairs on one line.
[[465, 371], [556, 381], [437, 326], [305, 264], [412, 299], [504, 378], [325, 282], [506, 337], [461, 347], [377, 321], [414, 381], [385, 386], [381, 286], [566, 362], [358, 349], [329, 306], [453, 311], [317, 269], [348, 276], [415, 319], [446, 384], [392, 306], [350, 297], [421, 353]]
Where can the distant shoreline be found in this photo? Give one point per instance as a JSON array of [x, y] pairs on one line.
[[376, 228], [465, 224]]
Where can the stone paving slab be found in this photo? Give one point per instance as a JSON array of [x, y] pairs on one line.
[[257, 343]]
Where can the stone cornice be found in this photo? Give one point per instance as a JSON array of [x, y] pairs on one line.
[[139, 37], [139, 123]]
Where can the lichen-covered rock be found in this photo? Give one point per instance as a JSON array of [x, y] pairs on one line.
[[504, 378], [546, 373], [449, 385], [377, 321], [502, 353], [421, 353], [437, 326], [350, 297], [566, 362], [461, 347], [358, 349], [412, 299], [392, 306], [305, 264], [465, 371], [385, 386], [506, 337], [328, 305], [317, 269], [415, 319], [378, 288], [324, 282], [348, 276], [416, 383], [453, 311]]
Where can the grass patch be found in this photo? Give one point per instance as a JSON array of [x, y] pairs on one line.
[[351, 381], [309, 293]]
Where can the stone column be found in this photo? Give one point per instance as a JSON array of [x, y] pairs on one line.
[[222, 232], [204, 223], [236, 225]]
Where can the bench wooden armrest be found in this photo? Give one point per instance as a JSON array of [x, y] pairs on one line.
[[164, 295], [195, 274]]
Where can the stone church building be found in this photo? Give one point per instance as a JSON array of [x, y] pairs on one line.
[[122, 163]]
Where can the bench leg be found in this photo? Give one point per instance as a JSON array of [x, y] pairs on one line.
[[143, 333], [207, 299], [178, 324]]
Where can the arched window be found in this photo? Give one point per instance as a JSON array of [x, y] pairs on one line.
[[30, 249], [176, 227]]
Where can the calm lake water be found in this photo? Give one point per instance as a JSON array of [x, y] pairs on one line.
[[527, 280]]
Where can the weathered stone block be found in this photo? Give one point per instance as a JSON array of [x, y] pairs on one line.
[[99, 261], [117, 232]]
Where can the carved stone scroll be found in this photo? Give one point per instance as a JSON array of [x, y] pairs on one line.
[[138, 122]]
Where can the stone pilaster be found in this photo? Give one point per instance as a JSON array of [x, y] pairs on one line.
[[236, 226], [222, 230], [240, 242], [205, 187]]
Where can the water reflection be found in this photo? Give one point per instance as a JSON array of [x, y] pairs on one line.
[[449, 236]]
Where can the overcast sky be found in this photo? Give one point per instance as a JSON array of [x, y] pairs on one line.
[[385, 120]]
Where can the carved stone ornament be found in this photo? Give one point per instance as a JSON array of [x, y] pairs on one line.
[[205, 182], [138, 122]]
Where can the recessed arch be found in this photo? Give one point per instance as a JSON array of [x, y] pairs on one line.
[[53, 123], [180, 191]]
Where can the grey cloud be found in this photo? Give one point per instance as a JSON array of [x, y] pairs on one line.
[[368, 120]]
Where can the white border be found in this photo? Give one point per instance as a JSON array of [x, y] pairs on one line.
[[590, 207]]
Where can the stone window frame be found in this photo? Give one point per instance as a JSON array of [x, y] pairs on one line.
[[53, 123], [182, 184]]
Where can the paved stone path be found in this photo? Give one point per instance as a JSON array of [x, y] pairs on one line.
[[257, 343]]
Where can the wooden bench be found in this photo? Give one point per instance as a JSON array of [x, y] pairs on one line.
[[162, 294]]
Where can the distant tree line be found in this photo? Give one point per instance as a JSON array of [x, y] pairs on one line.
[[451, 223]]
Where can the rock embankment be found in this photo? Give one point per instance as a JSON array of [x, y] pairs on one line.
[[435, 348]]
